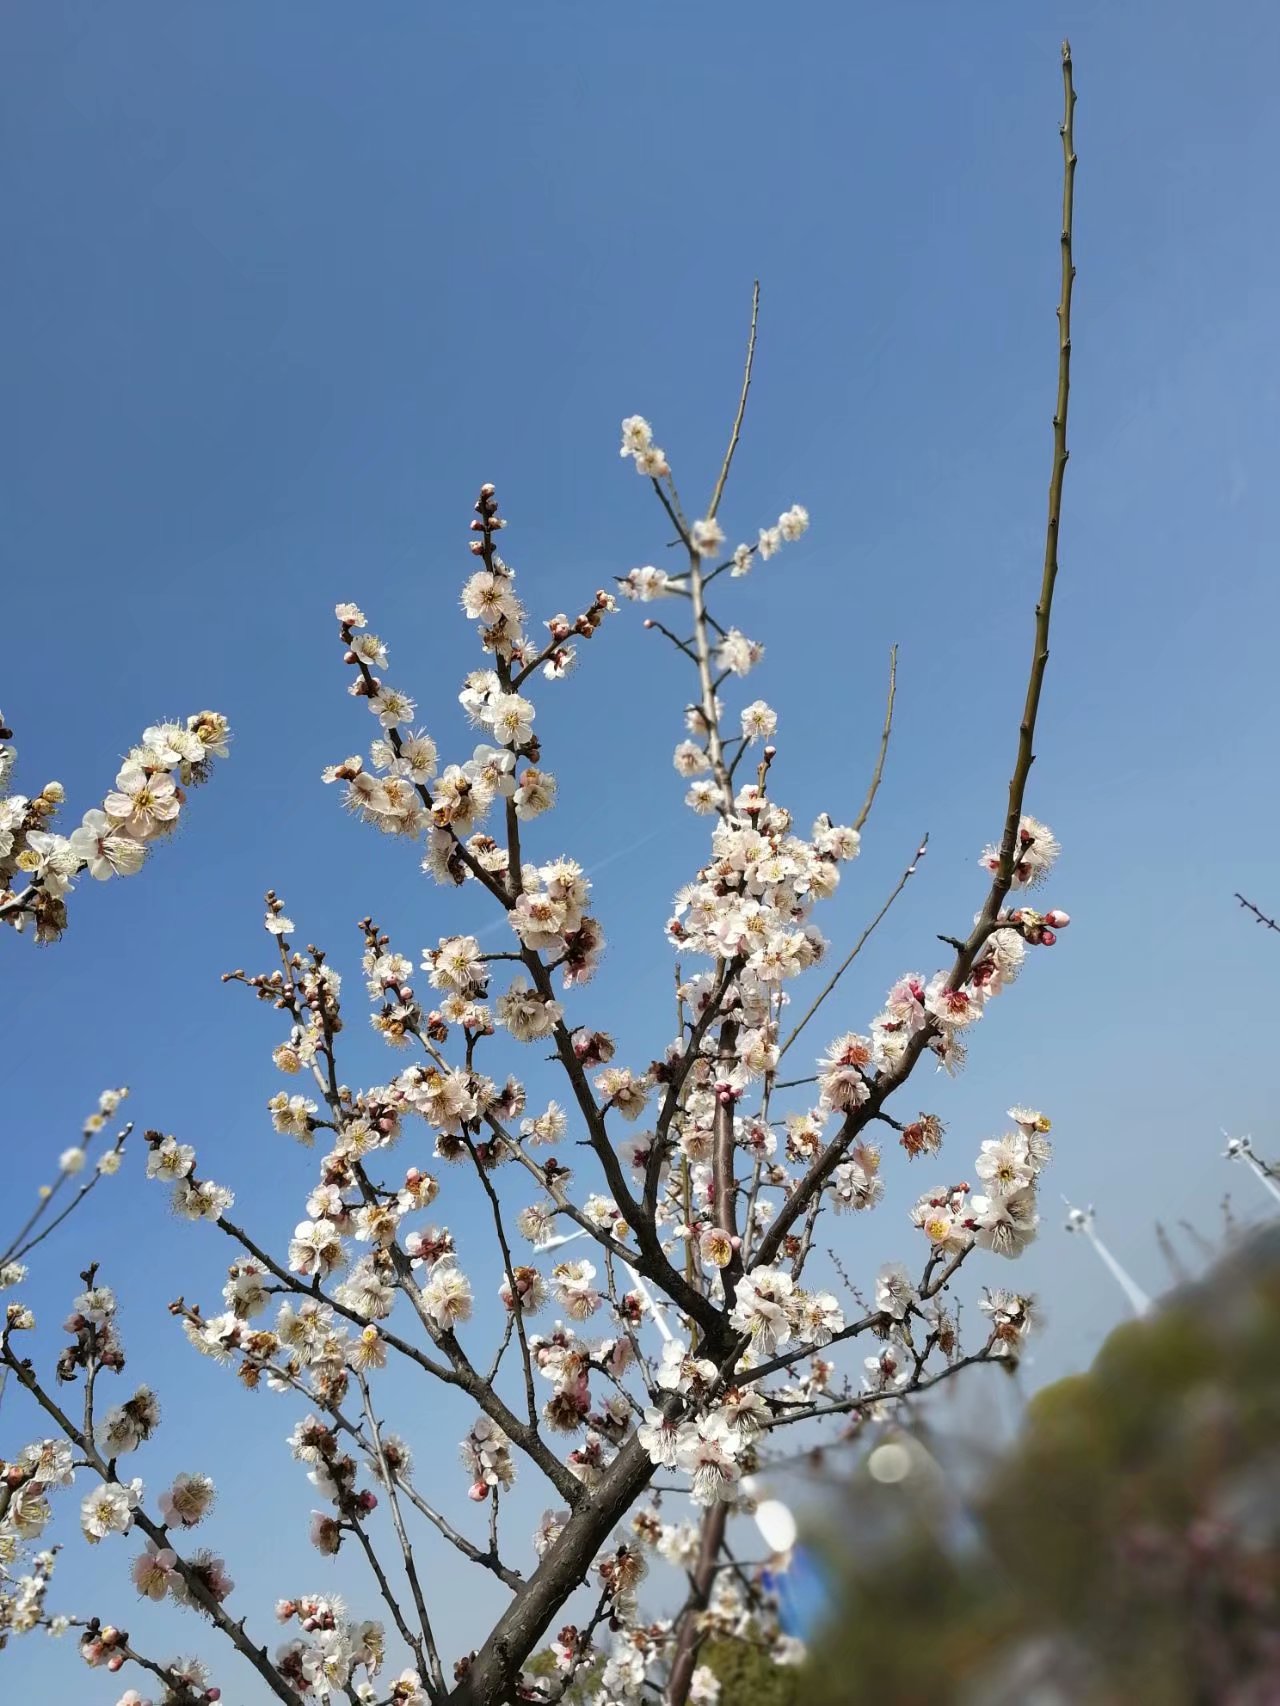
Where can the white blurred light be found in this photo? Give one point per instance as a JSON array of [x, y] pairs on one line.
[[776, 1524], [889, 1462]]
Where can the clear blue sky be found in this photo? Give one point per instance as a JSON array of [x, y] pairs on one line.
[[285, 284]]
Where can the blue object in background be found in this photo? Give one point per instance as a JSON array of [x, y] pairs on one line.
[[803, 1592]]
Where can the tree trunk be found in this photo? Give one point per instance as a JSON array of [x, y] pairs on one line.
[[704, 1576], [490, 1680]]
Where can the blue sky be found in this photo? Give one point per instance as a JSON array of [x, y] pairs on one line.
[[286, 284]]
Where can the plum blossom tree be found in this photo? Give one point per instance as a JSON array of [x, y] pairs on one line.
[[697, 1198]]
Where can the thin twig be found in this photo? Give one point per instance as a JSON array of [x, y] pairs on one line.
[[1044, 608], [384, 1588], [19, 1249], [878, 773], [858, 946], [516, 1309], [1261, 917], [406, 1549], [867, 1400], [742, 405]]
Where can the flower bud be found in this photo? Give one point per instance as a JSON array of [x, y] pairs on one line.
[[1057, 920]]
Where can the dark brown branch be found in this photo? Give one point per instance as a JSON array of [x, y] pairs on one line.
[[1260, 917], [489, 1679], [701, 1583], [461, 1374]]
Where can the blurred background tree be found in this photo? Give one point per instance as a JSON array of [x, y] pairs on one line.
[[1126, 1547]]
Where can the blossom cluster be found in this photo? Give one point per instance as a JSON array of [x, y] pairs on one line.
[[1002, 1218], [751, 902], [112, 839]]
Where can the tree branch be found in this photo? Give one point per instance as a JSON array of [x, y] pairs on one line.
[[725, 466], [1260, 917], [878, 773]]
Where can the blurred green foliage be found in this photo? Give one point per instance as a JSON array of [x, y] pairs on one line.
[[749, 1677], [1124, 1552]]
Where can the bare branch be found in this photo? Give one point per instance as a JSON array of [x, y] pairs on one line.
[[725, 466], [1259, 916], [858, 946], [878, 773]]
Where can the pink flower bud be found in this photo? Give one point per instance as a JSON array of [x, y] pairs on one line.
[[1057, 920], [478, 1492], [1047, 938]]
